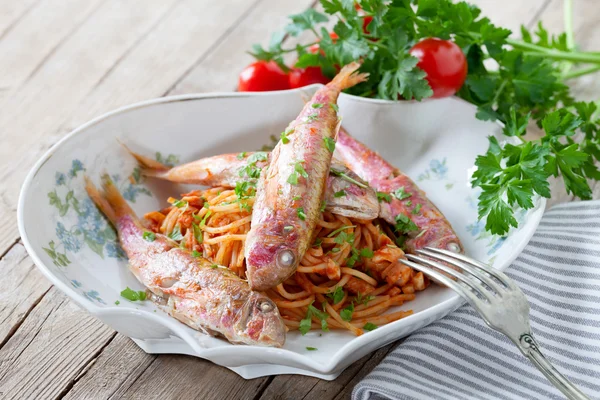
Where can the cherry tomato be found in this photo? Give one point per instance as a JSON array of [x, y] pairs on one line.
[[444, 63], [366, 21], [262, 76], [300, 77]]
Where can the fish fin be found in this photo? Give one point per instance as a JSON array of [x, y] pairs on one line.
[[148, 166], [115, 199], [100, 201], [348, 76]]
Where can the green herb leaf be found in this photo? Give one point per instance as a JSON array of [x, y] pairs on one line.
[[369, 327], [329, 143], [149, 236], [241, 155], [347, 312], [301, 213], [417, 209], [133, 295], [340, 193], [337, 295], [404, 224], [384, 197], [401, 194], [175, 234], [311, 348]]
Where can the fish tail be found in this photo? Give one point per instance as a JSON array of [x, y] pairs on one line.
[[100, 201], [148, 166], [114, 198], [348, 76]]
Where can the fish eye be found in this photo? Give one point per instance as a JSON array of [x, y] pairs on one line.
[[265, 306], [453, 247], [286, 258]]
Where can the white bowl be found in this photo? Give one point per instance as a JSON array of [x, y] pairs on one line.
[[435, 142]]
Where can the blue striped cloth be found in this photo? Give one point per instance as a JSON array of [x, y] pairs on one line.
[[459, 357]]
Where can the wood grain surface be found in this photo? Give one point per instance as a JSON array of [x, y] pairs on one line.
[[63, 62]]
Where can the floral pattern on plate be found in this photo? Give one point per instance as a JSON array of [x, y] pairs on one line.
[[437, 171], [81, 224]]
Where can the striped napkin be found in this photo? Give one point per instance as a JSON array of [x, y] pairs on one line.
[[459, 357]]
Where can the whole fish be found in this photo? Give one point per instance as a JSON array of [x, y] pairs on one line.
[[290, 191], [405, 206], [198, 293], [346, 193]]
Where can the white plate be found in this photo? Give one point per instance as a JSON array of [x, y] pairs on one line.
[[435, 142]]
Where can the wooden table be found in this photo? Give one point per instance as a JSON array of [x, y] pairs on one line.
[[63, 62]]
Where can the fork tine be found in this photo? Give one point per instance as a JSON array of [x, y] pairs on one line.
[[468, 295], [467, 280], [495, 273], [464, 266]]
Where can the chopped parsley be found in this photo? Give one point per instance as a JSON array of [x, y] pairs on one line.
[[197, 233], [337, 295], [133, 295], [408, 203], [341, 193], [329, 143], [301, 214], [401, 194], [203, 222], [344, 237], [370, 326], [347, 312], [354, 257], [404, 224], [417, 209], [366, 253], [317, 105], [251, 170], [180, 203], [363, 299], [196, 254], [296, 198], [288, 228], [283, 135], [241, 156], [338, 230], [117, 302], [312, 117], [305, 324], [334, 107], [323, 206], [384, 197], [298, 170], [348, 178], [214, 266], [176, 234], [317, 242], [311, 348], [149, 236], [336, 250]]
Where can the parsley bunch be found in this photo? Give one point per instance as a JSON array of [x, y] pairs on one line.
[[521, 82]]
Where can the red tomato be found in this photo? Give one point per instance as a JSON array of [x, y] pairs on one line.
[[444, 63], [262, 76], [300, 77], [366, 21]]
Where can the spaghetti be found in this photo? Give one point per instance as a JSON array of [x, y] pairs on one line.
[[348, 279]]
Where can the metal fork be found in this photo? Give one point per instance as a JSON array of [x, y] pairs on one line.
[[497, 299]]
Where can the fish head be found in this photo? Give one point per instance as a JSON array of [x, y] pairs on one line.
[[272, 255], [259, 323]]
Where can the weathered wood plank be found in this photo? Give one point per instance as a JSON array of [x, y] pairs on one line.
[[511, 14], [182, 377], [117, 367], [36, 35], [191, 30], [219, 70], [49, 350], [59, 85], [21, 288], [11, 12], [291, 387]]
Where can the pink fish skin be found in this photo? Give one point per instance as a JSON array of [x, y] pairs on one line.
[[359, 201], [434, 230], [290, 191], [198, 293]]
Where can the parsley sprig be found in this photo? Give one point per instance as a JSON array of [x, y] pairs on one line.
[[524, 83]]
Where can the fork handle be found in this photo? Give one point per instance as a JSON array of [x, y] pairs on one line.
[[531, 350]]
